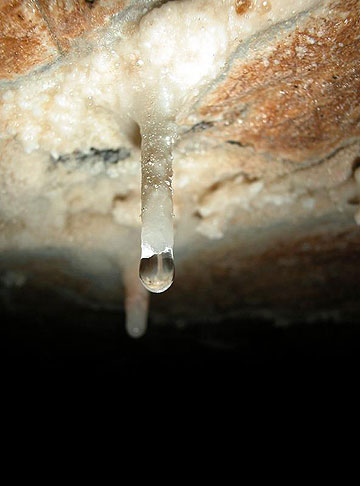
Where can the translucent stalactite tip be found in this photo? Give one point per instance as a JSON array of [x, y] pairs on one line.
[[157, 272]]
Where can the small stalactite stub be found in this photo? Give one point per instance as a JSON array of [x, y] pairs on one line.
[[136, 305]]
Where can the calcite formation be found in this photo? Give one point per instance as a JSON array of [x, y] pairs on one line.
[[263, 101]]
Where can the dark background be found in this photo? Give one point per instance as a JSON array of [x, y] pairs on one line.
[[79, 346]]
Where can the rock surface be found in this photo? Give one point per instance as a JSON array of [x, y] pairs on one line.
[[266, 182]]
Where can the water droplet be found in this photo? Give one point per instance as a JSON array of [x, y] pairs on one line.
[[157, 272]]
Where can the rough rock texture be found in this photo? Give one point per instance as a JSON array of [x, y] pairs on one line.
[[300, 100], [25, 39], [69, 20], [36, 32], [278, 212]]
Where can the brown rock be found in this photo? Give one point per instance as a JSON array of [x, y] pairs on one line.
[[25, 39], [302, 100], [70, 19]]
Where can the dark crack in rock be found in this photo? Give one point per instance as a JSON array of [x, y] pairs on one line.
[[199, 127], [94, 159]]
